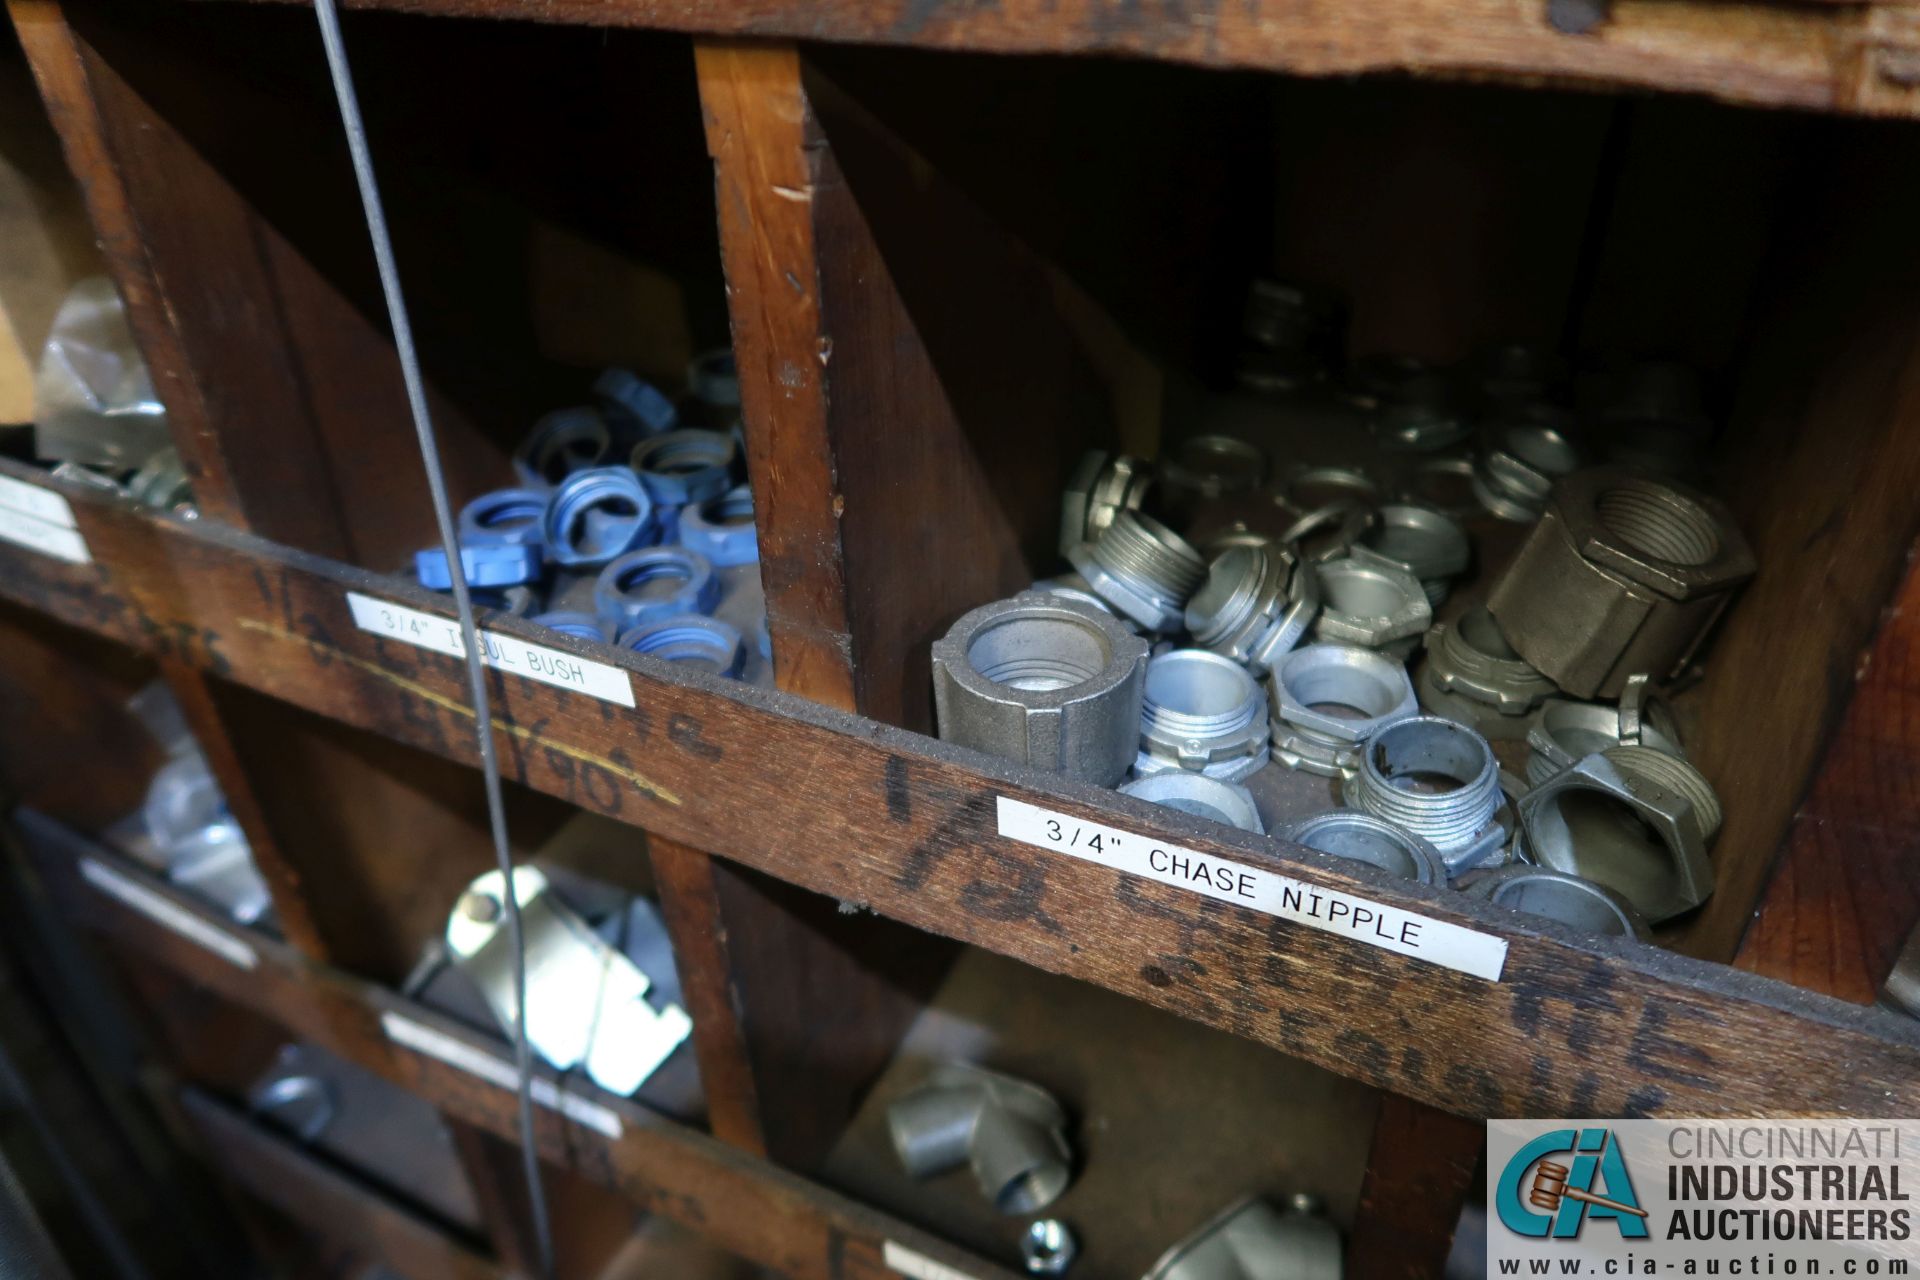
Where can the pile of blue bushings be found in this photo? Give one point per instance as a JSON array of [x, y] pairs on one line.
[[630, 526]]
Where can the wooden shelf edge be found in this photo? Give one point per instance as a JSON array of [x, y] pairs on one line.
[[1840, 57], [745, 1205], [907, 827]]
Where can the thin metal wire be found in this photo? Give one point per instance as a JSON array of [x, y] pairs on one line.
[[356, 132]]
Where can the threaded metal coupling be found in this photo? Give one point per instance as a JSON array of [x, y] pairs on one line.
[[1472, 659], [1044, 681], [1329, 699], [1437, 779], [1256, 604], [1348, 833], [1202, 713], [1143, 569]]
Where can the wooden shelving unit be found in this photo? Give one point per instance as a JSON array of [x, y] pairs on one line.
[[945, 273]]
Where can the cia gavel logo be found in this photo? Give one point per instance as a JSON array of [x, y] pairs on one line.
[[1543, 1193], [1550, 1187]]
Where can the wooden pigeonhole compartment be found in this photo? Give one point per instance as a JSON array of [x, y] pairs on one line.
[[946, 274]]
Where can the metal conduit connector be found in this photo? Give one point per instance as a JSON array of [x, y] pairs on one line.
[[1431, 545], [509, 516], [1445, 484], [1439, 780], [572, 622], [1204, 797], [1329, 532], [1251, 1240], [1202, 713], [1567, 731], [1370, 602], [1330, 698], [713, 378], [653, 585], [1308, 488], [1048, 1248], [1143, 569], [1473, 660], [1101, 487], [1624, 573], [1071, 586], [1527, 449], [562, 443], [1348, 833], [494, 566], [721, 529], [596, 515], [707, 643], [1208, 468], [1255, 605], [1012, 1134], [1554, 895], [685, 466], [625, 395], [1632, 818], [1045, 682]]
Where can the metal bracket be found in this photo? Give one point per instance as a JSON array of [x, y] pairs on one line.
[[586, 1002]]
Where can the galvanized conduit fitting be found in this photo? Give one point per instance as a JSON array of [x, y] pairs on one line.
[[1251, 1240], [1437, 779], [1370, 602], [1255, 606], [1567, 731], [1526, 452], [1012, 1134], [1204, 797], [1043, 681], [1572, 900], [1623, 574], [1329, 698], [1101, 487], [1202, 713], [1473, 660], [1143, 569], [685, 466], [1207, 468], [596, 515], [1429, 544], [1348, 833], [1632, 818]]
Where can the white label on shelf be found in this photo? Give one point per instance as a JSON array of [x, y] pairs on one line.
[[167, 913], [40, 520], [1360, 919], [32, 500], [909, 1262], [496, 1070], [503, 653]]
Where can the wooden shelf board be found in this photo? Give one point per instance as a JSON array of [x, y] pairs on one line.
[[907, 826]]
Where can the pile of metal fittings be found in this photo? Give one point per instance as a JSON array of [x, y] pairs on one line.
[[631, 525], [1279, 625]]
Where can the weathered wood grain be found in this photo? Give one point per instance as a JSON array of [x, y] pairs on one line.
[[744, 1205], [1839, 57], [905, 825], [1420, 1169]]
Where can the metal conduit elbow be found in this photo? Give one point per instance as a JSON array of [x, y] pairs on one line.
[[1011, 1133]]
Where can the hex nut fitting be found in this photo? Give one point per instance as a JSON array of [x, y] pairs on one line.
[[1429, 544], [1045, 682], [1256, 604], [1204, 797], [1309, 682], [1624, 573], [1202, 713], [1527, 450], [1361, 837], [1472, 659], [722, 529], [1634, 819], [1554, 895], [1370, 602], [1102, 486], [1566, 731], [1465, 822], [1143, 569], [1208, 468]]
